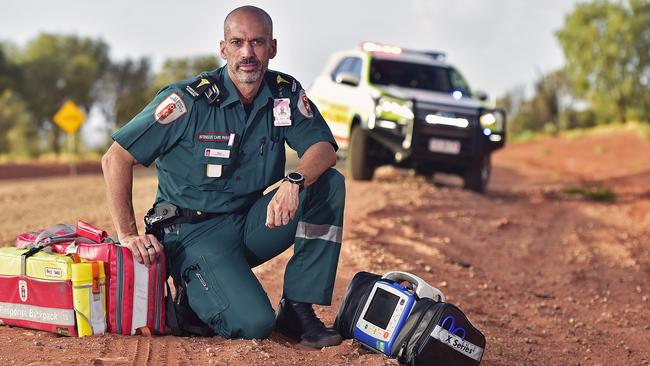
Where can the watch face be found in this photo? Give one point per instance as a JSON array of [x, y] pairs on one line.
[[295, 176]]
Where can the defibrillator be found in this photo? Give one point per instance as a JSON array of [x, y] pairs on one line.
[[387, 307]]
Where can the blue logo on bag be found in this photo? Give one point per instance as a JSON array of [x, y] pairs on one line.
[[452, 327]]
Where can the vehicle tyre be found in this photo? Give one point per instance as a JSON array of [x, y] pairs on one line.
[[361, 168], [477, 176], [425, 171]]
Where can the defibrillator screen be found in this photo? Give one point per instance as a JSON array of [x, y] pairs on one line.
[[381, 308]]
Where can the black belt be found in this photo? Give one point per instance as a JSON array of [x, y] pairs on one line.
[[194, 216]]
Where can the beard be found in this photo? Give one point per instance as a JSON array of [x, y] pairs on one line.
[[247, 77]]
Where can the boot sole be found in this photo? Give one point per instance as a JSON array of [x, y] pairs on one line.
[[334, 340]]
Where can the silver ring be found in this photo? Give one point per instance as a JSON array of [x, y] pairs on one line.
[[148, 247]]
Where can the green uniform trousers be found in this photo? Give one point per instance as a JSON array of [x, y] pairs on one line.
[[214, 259]]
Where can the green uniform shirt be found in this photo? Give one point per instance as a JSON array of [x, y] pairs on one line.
[[219, 158]]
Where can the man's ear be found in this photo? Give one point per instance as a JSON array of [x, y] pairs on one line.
[[274, 47], [222, 49]]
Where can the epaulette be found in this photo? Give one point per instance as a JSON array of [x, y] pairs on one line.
[[281, 81], [205, 86]]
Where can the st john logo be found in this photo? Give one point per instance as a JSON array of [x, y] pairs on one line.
[[22, 290]]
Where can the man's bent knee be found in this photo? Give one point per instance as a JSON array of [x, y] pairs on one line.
[[257, 325]]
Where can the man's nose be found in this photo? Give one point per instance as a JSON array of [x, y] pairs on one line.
[[247, 50]]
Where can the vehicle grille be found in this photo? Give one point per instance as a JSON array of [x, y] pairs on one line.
[[424, 131]]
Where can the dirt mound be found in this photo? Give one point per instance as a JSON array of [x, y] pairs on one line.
[[550, 274]]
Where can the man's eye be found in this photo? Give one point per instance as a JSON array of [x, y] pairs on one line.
[[235, 42], [258, 42]]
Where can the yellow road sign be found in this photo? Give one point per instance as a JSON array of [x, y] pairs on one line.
[[69, 117]]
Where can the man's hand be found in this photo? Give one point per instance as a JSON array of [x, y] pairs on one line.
[[146, 248], [283, 205]]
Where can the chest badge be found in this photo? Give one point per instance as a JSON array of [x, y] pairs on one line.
[[281, 112]]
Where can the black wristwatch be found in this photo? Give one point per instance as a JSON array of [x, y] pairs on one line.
[[296, 178]]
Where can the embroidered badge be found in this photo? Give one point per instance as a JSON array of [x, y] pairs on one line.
[[280, 79], [303, 105], [294, 86], [170, 109], [282, 112], [202, 82], [215, 137]]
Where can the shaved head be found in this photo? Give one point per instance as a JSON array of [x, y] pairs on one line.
[[249, 10], [248, 45]]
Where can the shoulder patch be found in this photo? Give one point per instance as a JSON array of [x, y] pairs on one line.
[[294, 86], [303, 105], [170, 109]]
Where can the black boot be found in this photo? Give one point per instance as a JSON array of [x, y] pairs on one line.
[[297, 320]]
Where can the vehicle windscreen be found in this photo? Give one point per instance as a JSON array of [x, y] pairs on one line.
[[411, 75]]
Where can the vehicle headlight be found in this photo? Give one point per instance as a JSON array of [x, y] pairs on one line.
[[492, 121], [394, 109]]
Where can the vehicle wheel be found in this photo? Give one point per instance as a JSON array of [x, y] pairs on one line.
[[361, 168], [425, 171], [477, 176]]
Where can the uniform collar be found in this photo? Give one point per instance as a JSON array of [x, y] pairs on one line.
[[230, 94]]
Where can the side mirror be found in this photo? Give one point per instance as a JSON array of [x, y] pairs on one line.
[[347, 78], [481, 95]]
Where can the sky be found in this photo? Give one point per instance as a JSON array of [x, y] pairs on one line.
[[497, 45]]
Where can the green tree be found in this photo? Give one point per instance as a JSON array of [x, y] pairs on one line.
[[176, 69], [125, 90], [606, 48], [546, 110], [9, 71], [18, 135], [640, 26], [59, 67]]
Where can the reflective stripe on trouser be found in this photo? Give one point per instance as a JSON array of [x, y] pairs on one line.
[[316, 231], [215, 258]]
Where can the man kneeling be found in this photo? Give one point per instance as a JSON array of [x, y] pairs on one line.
[[219, 142]]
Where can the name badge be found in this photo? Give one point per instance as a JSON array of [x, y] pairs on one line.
[[281, 112], [217, 153], [213, 171]]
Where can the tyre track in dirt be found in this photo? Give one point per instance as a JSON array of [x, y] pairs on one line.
[[141, 354]]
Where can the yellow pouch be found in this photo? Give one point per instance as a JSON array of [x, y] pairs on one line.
[[89, 297]]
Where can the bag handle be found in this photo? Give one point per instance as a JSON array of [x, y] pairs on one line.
[[422, 289], [91, 232], [27, 254], [50, 233], [96, 280]]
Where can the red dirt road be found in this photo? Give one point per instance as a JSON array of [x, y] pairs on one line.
[[551, 278]]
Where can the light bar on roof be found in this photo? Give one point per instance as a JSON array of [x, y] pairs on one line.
[[395, 50], [438, 55], [376, 47]]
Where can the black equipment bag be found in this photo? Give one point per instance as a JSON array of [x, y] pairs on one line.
[[353, 300], [438, 333], [435, 333]]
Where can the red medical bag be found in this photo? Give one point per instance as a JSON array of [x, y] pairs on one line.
[[136, 293]]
